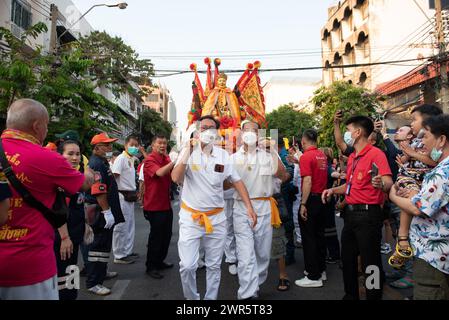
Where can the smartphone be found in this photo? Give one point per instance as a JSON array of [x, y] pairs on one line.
[[374, 170]]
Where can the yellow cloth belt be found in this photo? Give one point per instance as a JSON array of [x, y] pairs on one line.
[[275, 215], [203, 217]]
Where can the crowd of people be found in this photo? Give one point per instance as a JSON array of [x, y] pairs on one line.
[[248, 206]]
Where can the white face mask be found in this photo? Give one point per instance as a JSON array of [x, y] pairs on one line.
[[249, 138], [208, 136], [109, 154], [349, 140]]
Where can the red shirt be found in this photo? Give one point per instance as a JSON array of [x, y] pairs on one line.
[[27, 252], [362, 191], [157, 189], [313, 163]]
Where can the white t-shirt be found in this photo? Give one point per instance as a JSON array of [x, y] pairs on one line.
[[124, 166], [202, 189], [257, 170]]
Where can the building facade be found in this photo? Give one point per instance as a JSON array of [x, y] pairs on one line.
[[158, 100], [19, 15], [372, 31]]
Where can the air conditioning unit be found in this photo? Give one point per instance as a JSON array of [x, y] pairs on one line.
[[16, 30]]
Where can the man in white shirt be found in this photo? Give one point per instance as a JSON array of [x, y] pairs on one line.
[[257, 168], [202, 169], [125, 176]]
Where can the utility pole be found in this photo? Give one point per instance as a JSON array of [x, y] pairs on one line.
[[442, 60], [54, 14]]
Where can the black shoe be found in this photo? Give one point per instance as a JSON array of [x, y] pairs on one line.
[[154, 274], [164, 266]]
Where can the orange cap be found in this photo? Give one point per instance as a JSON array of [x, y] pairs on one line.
[[102, 138], [51, 146]]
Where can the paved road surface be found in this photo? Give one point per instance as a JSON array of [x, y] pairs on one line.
[[133, 284]]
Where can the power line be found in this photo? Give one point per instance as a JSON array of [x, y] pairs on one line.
[[178, 72], [40, 12], [46, 9]]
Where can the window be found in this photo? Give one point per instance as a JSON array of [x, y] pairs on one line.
[[21, 14], [132, 105]]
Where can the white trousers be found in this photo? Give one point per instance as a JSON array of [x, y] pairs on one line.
[[253, 252], [123, 236], [191, 234], [230, 254], [296, 206], [45, 290]]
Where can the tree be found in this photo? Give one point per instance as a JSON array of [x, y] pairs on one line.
[[62, 83], [343, 96], [153, 124], [115, 63], [289, 122]]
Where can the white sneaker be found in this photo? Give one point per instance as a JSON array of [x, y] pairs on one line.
[[100, 290], [110, 275], [323, 275], [233, 269], [307, 283]]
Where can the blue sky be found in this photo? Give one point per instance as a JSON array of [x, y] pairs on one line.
[[203, 28]]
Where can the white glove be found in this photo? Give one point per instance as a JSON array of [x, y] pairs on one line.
[[108, 216]]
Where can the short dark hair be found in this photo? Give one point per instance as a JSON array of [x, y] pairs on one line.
[[428, 110], [158, 136], [362, 122], [438, 125], [209, 117], [280, 140], [310, 135], [132, 137]]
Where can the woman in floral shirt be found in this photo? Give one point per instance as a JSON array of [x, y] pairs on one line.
[[429, 232]]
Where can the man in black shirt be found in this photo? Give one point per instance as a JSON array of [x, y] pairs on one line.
[[105, 214]]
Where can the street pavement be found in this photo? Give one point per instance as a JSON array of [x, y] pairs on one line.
[[133, 284]]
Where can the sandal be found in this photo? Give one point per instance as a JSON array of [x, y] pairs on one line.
[[283, 285], [403, 283], [406, 252]]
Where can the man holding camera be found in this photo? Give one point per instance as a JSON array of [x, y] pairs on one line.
[[365, 195]]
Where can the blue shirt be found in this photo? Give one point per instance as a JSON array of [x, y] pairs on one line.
[[429, 233]]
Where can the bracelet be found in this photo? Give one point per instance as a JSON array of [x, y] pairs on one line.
[[65, 238], [303, 204]]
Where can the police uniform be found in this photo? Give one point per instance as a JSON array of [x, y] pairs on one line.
[[100, 249], [202, 219], [257, 170]]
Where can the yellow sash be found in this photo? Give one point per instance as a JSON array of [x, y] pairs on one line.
[[202, 216], [275, 215]]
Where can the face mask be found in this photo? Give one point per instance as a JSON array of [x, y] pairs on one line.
[[249, 138], [348, 139], [208, 136], [108, 154], [436, 155], [133, 151]]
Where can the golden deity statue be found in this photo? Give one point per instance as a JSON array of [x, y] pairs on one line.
[[222, 102]]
